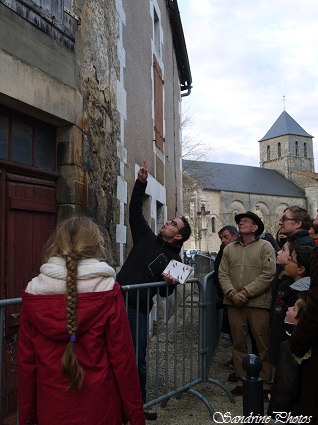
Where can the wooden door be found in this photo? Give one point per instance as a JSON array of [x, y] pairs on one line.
[[29, 213]]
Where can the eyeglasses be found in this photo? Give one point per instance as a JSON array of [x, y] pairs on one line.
[[174, 224], [287, 219], [290, 260]]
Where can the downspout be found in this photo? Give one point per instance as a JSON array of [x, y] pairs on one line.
[[188, 92]]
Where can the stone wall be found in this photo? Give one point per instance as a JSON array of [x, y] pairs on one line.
[[98, 73], [288, 161]]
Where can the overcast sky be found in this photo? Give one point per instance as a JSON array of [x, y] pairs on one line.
[[245, 55]]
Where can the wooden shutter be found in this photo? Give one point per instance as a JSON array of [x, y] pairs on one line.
[[158, 104]]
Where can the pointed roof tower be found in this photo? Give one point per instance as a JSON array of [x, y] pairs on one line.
[[285, 124], [287, 147]]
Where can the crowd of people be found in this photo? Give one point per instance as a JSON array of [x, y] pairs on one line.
[[268, 288], [77, 346]]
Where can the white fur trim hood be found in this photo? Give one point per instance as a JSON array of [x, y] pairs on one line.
[[92, 276]]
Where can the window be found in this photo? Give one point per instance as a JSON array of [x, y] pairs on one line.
[[296, 149], [213, 225], [279, 150], [4, 135], [26, 140], [305, 150], [268, 152], [158, 104], [156, 35], [160, 217], [55, 18]]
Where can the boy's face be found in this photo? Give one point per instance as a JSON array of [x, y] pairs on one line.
[[293, 269], [283, 255], [291, 313]]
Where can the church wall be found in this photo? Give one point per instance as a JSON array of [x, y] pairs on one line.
[[303, 179], [202, 208], [312, 197], [210, 237], [223, 206], [269, 208]]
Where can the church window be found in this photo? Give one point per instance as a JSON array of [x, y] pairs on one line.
[[305, 150], [268, 152], [213, 225], [296, 149], [279, 150]]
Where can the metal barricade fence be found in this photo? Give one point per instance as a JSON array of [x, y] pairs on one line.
[[183, 342], [183, 331], [8, 399]]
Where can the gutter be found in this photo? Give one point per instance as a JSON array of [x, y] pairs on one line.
[[180, 48]]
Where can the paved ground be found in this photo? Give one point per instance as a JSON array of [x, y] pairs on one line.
[[190, 409]]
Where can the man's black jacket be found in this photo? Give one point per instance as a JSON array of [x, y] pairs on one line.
[[149, 255]]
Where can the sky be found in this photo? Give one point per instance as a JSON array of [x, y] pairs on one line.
[[246, 56]]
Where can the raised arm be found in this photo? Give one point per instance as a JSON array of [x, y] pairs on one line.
[[138, 224]]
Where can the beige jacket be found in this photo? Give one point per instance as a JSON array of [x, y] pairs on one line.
[[251, 267]]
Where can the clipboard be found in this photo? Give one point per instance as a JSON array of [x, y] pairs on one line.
[[178, 271]]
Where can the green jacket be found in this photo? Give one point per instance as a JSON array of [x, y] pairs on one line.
[[251, 267]]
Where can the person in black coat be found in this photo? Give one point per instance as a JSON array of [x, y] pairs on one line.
[[145, 263], [286, 386], [305, 337], [296, 279]]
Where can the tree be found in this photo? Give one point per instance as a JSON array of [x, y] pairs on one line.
[[194, 209]]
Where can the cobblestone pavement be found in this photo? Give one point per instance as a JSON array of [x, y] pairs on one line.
[[189, 409]]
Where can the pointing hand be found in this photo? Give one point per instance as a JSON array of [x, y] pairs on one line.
[[143, 173]]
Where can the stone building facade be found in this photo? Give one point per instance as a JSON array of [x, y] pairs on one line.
[[107, 78], [88, 90], [214, 193]]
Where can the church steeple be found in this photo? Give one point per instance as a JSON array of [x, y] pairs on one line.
[[285, 124], [287, 147]]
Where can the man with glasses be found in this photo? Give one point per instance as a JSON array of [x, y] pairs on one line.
[[146, 261], [296, 222], [246, 271]]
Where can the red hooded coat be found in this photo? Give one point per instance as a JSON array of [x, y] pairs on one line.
[[110, 394]]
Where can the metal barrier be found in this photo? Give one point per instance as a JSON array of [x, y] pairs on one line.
[[202, 265], [185, 339], [6, 394], [183, 332]]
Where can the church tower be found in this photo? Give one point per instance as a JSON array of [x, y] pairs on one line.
[[287, 147]]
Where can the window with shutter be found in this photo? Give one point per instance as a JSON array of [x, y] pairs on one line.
[[158, 104], [54, 17]]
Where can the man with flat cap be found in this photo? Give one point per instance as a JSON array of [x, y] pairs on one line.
[[246, 272]]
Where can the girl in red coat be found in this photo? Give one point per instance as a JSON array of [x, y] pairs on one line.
[[76, 360]]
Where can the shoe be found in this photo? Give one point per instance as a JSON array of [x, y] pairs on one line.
[[226, 336], [150, 414], [266, 395], [230, 364], [237, 391], [232, 377]]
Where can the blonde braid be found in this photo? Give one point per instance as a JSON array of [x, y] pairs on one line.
[[69, 362]]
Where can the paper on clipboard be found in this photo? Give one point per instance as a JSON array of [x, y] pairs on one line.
[[178, 271]]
